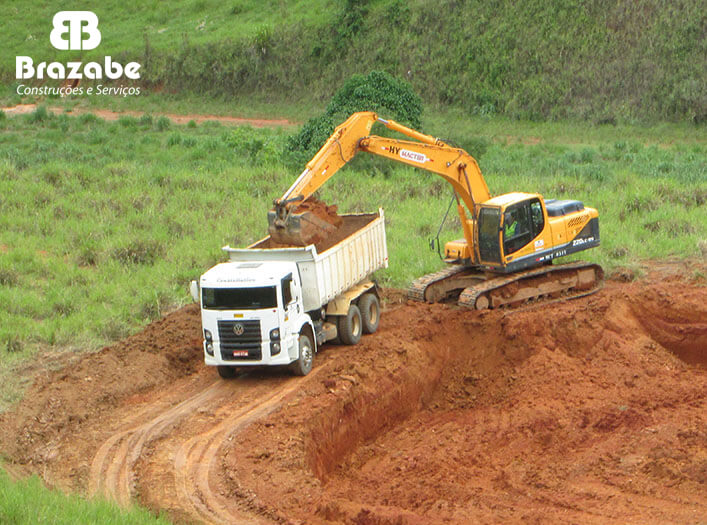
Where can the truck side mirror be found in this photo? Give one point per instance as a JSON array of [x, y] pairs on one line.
[[194, 289]]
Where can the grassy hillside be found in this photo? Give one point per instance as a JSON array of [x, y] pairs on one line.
[[599, 61], [127, 26]]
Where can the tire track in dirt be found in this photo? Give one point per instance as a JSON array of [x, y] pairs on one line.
[[106, 114], [111, 468], [112, 472], [195, 462]]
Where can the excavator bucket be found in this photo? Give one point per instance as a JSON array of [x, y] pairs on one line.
[[309, 223], [298, 229]]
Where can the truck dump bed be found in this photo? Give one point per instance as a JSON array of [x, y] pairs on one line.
[[334, 265]]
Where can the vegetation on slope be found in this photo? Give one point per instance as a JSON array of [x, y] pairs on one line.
[[600, 61], [29, 501]]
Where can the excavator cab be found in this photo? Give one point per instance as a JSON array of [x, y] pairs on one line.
[[505, 225], [510, 227], [518, 231], [522, 223]]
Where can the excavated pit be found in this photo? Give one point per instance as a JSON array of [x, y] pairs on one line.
[[589, 411]]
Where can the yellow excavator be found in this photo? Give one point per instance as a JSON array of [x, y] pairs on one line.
[[510, 241]]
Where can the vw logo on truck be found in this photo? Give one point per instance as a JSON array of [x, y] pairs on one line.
[[238, 329]]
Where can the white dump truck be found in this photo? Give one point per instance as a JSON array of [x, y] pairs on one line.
[[271, 305]]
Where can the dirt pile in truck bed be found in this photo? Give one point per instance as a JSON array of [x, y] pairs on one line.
[[312, 222], [321, 210], [588, 411], [348, 224]]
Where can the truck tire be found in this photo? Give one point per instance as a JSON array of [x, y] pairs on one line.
[[303, 365], [350, 326], [226, 372], [370, 312]]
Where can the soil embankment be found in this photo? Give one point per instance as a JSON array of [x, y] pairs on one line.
[[586, 411]]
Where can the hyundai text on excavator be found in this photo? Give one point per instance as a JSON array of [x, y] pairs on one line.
[[510, 241]]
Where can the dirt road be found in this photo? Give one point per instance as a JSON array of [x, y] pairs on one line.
[[592, 411], [106, 114]]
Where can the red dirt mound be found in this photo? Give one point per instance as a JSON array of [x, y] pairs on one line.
[[586, 411], [575, 413], [49, 429]]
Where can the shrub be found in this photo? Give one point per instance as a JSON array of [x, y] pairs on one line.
[[38, 115], [12, 344], [378, 91], [145, 120], [163, 124], [175, 139], [88, 118]]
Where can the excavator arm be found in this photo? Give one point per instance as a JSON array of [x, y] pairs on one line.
[[455, 165], [490, 273]]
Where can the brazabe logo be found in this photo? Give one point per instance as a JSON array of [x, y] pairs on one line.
[[76, 24], [75, 31]]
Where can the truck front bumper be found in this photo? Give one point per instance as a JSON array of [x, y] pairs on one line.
[[258, 354]]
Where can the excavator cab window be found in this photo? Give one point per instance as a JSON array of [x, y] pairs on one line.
[[536, 214], [489, 223], [517, 227]]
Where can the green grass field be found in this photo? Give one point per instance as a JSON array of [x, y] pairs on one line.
[[29, 501], [125, 31], [103, 225]]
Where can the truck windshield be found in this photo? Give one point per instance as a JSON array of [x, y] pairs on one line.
[[239, 298]]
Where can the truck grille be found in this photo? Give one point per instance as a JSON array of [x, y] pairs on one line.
[[239, 337]]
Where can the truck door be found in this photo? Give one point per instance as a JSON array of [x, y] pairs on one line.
[[289, 308]]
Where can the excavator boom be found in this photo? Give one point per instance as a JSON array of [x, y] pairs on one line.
[[509, 242], [426, 152]]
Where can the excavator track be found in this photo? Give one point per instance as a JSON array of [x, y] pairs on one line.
[[561, 282], [426, 288], [482, 291]]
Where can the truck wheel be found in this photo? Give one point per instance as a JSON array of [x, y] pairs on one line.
[[303, 365], [227, 372], [350, 326], [370, 312]]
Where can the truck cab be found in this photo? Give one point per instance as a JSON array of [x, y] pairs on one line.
[[274, 305], [252, 314]]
